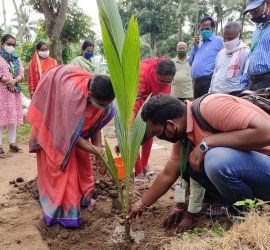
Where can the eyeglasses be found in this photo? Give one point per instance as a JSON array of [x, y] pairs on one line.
[[164, 82]]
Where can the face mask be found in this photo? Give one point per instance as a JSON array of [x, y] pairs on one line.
[[232, 44], [182, 54], [174, 139], [206, 34], [88, 54], [262, 18], [9, 49], [96, 105], [44, 54]]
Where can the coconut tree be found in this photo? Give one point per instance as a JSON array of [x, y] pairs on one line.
[[23, 24], [122, 53]]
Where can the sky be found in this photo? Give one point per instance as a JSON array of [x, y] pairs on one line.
[[88, 6]]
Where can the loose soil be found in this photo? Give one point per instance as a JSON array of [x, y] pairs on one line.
[[22, 225]]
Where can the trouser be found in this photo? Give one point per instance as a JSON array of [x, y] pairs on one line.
[[11, 134], [231, 175], [142, 161], [201, 86], [260, 85]]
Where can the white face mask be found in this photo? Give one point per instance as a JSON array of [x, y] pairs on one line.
[[44, 54], [232, 44], [9, 49]]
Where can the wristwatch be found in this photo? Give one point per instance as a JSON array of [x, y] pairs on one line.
[[203, 146]]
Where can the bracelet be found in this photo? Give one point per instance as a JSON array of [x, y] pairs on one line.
[[141, 206]]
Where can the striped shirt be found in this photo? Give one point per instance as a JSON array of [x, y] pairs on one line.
[[260, 57]]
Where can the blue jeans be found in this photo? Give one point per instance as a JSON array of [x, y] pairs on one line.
[[234, 175]]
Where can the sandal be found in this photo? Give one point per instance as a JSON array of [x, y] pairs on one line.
[[139, 180], [148, 173], [92, 205], [215, 210], [14, 148], [2, 153]]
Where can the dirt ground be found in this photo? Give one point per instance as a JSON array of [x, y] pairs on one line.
[[22, 225]]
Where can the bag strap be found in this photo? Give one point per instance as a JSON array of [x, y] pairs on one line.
[[197, 115]]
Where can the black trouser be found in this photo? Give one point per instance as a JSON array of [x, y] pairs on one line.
[[260, 85], [201, 86]]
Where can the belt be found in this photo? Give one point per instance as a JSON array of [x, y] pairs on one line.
[[202, 78], [258, 78]]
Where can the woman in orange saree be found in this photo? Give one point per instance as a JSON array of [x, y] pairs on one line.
[[70, 106], [39, 64]]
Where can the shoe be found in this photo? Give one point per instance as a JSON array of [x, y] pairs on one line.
[[2, 153], [14, 148]]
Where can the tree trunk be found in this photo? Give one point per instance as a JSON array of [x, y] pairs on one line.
[[54, 25], [20, 31], [152, 45]]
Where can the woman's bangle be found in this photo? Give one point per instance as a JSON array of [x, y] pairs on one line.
[[141, 206]]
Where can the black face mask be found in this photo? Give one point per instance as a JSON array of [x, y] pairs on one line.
[[262, 18], [174, 139]]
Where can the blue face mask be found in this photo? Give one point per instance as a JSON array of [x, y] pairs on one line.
[[206, 34], [88, 54]]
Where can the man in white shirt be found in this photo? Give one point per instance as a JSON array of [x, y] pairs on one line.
[[231, 62]]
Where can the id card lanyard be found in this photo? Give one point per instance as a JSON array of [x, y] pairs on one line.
[[183, 164], [258, 38]]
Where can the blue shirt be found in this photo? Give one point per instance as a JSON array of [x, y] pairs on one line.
[[259, 59], [202, 58]]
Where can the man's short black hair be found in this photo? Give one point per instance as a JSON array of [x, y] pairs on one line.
[[101, 88], [208, 18], [161, 108], [165, 67]]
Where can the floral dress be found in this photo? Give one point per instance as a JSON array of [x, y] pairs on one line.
[[10, 103]]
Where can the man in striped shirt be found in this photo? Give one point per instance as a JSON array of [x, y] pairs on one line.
[[259, 59]]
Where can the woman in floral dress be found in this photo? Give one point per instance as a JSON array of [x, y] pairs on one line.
[[11, 74]]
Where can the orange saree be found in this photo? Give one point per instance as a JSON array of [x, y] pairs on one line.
[[36, 68], [59, 114]]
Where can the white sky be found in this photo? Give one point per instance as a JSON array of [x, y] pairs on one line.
[[88, 6]]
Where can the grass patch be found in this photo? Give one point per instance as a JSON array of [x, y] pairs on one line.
[[23, 134], [251, 233]]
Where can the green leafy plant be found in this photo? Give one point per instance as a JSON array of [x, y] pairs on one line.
[[122, 53], [251, 204]]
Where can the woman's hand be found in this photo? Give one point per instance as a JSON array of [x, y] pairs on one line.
[[11, 83], [102, 169]]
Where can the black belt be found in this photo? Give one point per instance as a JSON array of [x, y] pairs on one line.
[[203, 78], [258, 78]]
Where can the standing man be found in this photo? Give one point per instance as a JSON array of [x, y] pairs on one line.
[[259, 59], [203, 56], [156, 76], [230, 63], [182, 84]]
